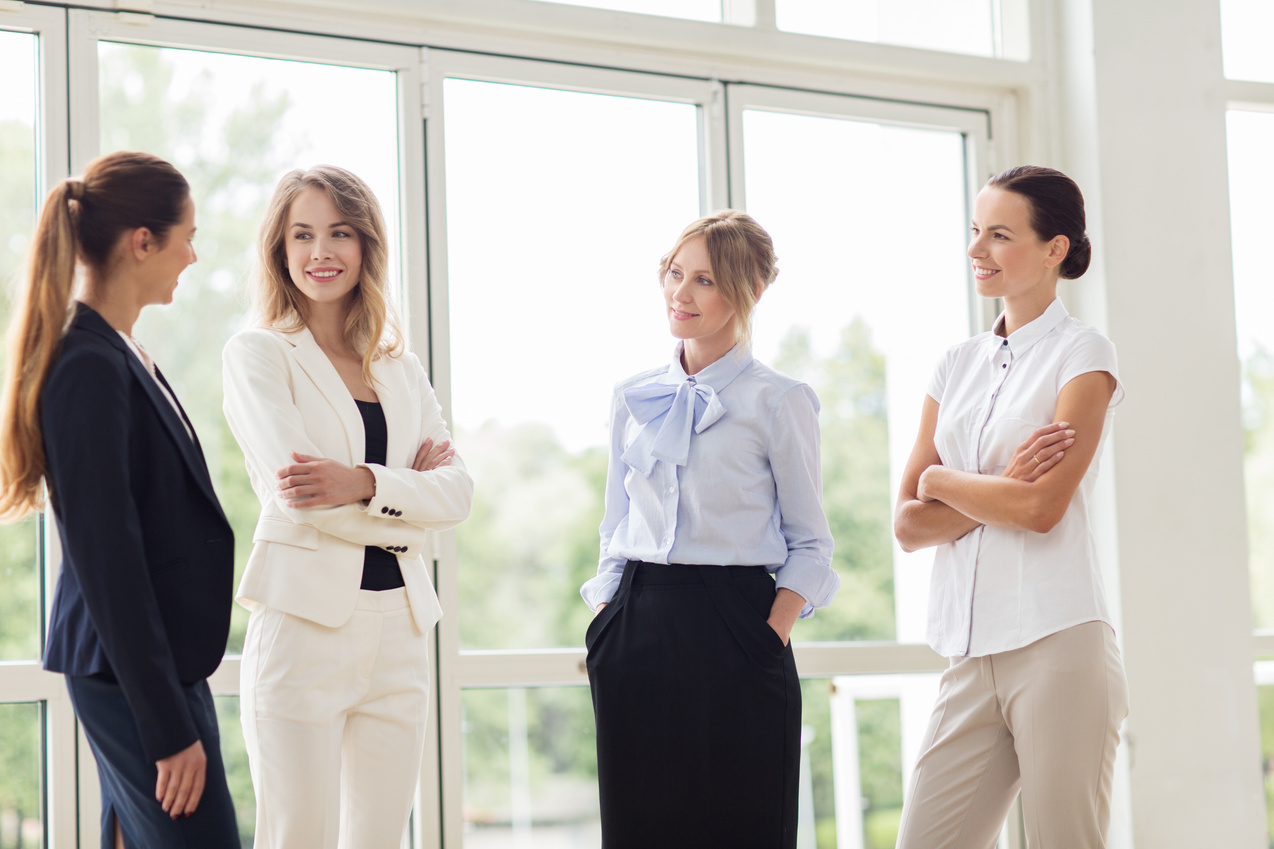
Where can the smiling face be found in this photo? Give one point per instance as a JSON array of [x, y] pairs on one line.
[[324, 253], [697, 313], [166, 262], [1010, 260]]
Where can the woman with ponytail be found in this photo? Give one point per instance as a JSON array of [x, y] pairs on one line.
[[1000, 481], [142, 607]]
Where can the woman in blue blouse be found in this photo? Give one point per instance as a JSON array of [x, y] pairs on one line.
[[713, 543]]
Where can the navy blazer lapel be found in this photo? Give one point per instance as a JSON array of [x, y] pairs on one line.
[[88, 319]]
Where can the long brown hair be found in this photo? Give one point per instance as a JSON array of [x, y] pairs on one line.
[[742, 256], [82, 218], [371, 327]]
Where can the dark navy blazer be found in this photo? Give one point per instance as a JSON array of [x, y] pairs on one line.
[[147, 553]]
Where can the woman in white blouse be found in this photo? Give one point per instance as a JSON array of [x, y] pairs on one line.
[[350, 457], [1000, 481], [713, 543]]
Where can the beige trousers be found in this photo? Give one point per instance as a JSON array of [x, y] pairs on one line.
[[1043, 719], [334, 724]]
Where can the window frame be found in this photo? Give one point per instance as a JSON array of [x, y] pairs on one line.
[[27, 681], [85, 30], [524, 42]]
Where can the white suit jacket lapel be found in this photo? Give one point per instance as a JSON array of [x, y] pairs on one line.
[[323, 374], [395, 401]]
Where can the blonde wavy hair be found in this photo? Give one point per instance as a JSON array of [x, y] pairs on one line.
[[371, 328], [743, 262]]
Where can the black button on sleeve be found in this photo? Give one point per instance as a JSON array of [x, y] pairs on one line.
[[384, 509]]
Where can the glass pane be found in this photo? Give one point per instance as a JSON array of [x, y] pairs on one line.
[[19, 574], [530, 769], [1251, 135], [559, 206], [857, 254], [235, 757], [860, 738], [21, 805], [20, 629], [695, 10], [234, 125], [956, 26], [1265, 702], [1246, 29]]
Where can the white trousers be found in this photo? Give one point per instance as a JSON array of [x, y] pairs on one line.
[[334, 722], [1043, 719]]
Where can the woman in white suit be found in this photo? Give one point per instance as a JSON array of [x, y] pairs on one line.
[[348, 452]]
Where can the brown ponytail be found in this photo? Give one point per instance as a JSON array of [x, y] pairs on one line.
[[85, 219]]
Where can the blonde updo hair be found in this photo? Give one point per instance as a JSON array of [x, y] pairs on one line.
[[371, 326], [742, 258]]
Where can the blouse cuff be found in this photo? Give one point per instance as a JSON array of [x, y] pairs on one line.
[[600, 589], [810, 578]]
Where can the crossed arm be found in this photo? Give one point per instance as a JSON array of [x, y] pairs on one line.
[[938, 505]]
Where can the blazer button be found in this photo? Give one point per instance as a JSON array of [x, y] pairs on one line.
[[398, 512], [384, 509]]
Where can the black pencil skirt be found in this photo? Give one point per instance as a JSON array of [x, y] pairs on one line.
[[698, 710]]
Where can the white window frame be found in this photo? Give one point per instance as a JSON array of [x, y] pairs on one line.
[[746, 61], [85, 30], [721, 107], [459, 670], [1247, 96], [26, 681]]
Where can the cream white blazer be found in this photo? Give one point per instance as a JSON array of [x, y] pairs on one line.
[[282, 394]]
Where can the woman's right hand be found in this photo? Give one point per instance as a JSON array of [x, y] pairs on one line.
[[431, 456], [1041, 451], [180, 783], [600, 608]]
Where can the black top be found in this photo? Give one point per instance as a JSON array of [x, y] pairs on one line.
[[380, 567]]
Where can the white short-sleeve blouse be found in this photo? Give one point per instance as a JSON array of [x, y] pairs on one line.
[[995, 589]]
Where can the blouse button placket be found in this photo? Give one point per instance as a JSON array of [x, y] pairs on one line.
[[1000, 372]]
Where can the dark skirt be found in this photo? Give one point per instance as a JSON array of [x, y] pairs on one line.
[[698, 710], [128, 777]]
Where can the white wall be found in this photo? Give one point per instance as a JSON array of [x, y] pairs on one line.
[[1141, 124]]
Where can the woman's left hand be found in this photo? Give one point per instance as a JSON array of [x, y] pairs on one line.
[[319, 482], [431, 456], [784, 612]]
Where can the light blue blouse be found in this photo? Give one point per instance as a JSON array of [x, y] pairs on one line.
[[719, 468]]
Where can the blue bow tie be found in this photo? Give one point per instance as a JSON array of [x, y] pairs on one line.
[[667, 414]]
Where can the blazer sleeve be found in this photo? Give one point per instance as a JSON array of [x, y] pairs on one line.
[[435, 500], [268, 427], [86, 417]]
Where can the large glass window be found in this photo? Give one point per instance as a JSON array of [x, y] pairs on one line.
[[695, 10], [234, 125], [1250, 136], [19, 573], [559, 206], [956, 26], [1245, 38], [872, 288], [21, 805], [530, 767]]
